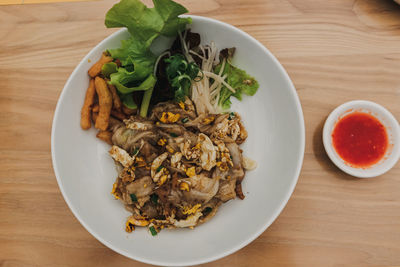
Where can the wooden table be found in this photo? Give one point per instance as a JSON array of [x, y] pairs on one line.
[[334, 51]]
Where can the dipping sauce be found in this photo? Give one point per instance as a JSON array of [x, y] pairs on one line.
[[360, 139]]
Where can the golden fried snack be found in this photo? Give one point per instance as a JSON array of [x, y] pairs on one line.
[[96, 68], [116, 100], [105, 136], [87, 105], [105, 103], [96, 108]]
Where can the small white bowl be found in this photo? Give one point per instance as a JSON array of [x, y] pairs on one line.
[[385, 117]]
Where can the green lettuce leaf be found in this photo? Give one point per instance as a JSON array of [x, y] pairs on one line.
[[108, 69], [133, 49], [144, 24], [239, 80], [143, 86], [137, 70]]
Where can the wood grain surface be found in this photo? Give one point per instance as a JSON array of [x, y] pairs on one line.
[[334, 51]]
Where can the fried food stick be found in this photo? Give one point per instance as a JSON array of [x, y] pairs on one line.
[[116, 100], [87, 106], [105, 104], [96, 68]]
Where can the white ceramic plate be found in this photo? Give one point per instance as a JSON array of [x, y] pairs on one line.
[[273, 118]]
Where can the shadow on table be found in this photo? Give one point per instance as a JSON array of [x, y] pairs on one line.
[[321, 156]]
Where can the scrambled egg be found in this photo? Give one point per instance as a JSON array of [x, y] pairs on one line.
[[170, 149], [184, 186], [164, 177], [140, 162], [182, 105], [162, 142], [131, 222], [114, 191], [191, 210], [121, 156], [190, 172], [161, 176], [223, 166], [197, 146], [208, 120], [138, 222], [169, 117], [129, 227]]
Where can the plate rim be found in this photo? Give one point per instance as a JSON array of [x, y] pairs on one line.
[[251, 238]]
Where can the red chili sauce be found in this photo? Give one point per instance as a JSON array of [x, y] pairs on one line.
[[360, 139]]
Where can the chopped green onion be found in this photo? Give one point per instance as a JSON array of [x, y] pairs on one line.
[[133, 197], [231, 115], [192, 70], [173, 134], [154, 198], [153, 231], [184, 120], [180, 74], [159, 168]]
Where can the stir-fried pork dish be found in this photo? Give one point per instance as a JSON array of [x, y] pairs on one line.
[[176, 168]]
